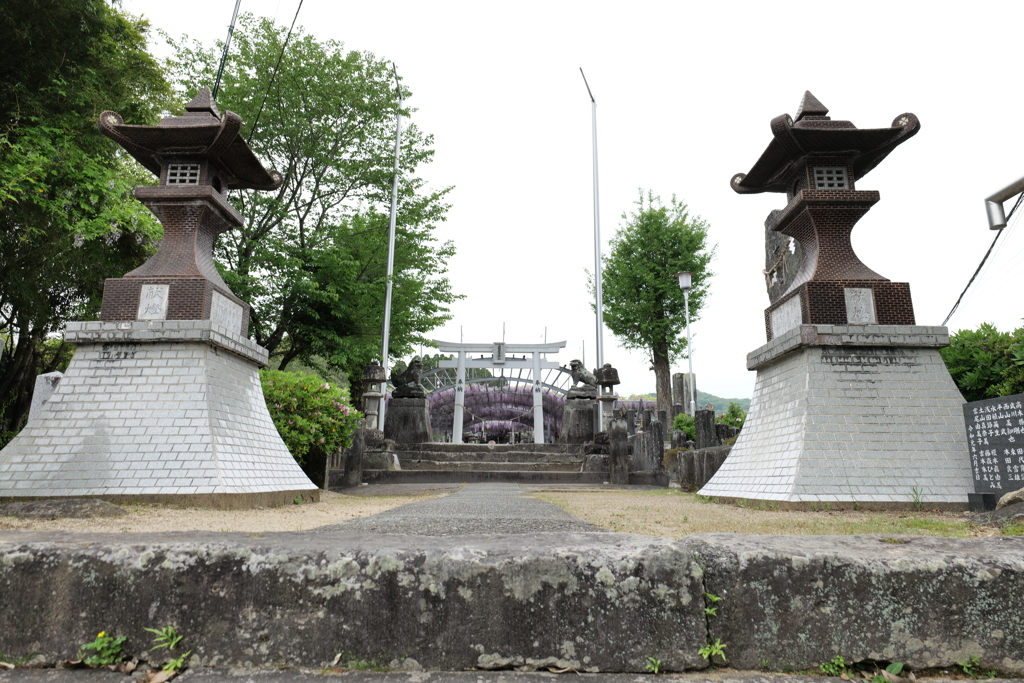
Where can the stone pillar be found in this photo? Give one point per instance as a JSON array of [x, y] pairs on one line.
[[538, 402], [630, 422], [353, 465], [578, 421], [460, 397], [619, 452], [681, 389], [707, 435], [46, 384], [408, 420]]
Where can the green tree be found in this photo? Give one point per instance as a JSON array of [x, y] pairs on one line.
[[986, 363], [68, 218], [311, 258], [643, 304]]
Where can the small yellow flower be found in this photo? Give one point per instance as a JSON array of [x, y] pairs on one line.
[[101, 634]]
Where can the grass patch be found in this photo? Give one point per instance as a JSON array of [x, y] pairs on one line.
[[673, 514]]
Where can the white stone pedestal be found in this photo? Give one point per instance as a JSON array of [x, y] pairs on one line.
[[851, 414], [160, 411]]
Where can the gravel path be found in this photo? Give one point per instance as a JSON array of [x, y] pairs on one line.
[[476, 509]]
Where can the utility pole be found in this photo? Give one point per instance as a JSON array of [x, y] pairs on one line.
[[391, 243]]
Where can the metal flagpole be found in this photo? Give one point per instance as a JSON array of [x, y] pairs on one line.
[[597, 245], [391, 243]]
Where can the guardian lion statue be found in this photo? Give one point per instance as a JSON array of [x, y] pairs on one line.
[[407, 384]]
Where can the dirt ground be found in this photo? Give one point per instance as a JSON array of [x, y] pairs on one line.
[[332, 508], [673, 514], [668, 513]]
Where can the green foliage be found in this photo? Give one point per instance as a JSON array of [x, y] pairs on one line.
[[653, 665], [169, 637], [713, 649], [835, 668], [107, 650], [308, 412], [986, 363], [1015, 529], [165, 637], [68, 217], [643, 304], [176, 664], [915, 497], [972, 668], [684, 423], [734, 416], [311, 258]]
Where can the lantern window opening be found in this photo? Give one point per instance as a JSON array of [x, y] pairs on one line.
[[830, 178], [183, 174]]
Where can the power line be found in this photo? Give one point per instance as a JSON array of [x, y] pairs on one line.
[[273, 76], [980, 265], [227, 46]]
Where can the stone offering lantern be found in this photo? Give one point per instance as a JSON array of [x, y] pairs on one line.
[[198, 158], [816, 162], [374, 384], [162, 401], [607, 378], [853, 405]]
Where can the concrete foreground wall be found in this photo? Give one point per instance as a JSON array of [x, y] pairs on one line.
[[591, 601]]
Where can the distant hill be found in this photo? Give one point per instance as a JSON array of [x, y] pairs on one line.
[[703, 398], [721, 404]]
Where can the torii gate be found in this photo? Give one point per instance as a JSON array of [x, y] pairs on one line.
[[498, 351]]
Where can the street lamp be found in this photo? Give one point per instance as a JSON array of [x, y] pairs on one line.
[[685, 282]]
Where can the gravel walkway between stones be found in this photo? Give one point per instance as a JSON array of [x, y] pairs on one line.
[[475, 509]]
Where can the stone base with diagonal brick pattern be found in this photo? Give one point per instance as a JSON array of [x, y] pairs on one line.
[[159, 411], [852, 414]]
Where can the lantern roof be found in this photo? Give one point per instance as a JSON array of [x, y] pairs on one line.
[[813, 133], [202, 132]]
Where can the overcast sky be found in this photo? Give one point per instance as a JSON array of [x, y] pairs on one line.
[[685, 94]]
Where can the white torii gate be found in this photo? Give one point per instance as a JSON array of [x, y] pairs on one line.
[[498, 360]]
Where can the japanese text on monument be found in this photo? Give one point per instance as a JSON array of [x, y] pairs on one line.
[[995, 436]]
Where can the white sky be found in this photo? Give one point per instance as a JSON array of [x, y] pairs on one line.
[[685, 92]]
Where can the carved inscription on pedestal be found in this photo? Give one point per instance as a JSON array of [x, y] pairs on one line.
[[153, 302], [226, 313], [860, 306], [787, 316]]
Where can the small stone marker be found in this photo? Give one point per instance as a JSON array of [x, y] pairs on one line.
[[995, 438]]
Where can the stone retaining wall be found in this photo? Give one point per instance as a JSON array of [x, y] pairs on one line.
[[590, 601]]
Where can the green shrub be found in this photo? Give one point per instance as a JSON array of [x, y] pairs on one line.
[[986, 363], [734, 416], [308, 412], [684, 423]]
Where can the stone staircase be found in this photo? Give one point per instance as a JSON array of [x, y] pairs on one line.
[[432, 463]]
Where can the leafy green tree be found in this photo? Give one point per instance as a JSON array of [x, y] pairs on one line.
[[986, 363], [311, 258], [643, 304], [68, 217]]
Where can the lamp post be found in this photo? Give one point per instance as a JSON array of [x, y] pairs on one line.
[[685, 282]]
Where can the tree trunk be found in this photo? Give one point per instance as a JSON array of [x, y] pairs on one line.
[[662, 376]]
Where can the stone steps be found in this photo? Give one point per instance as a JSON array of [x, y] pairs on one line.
[[507, 457], [513, 476], [448, 465]]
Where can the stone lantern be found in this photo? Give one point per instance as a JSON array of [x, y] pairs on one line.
[[853, 404], [374, 383], [162, 401], [607, 378]]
